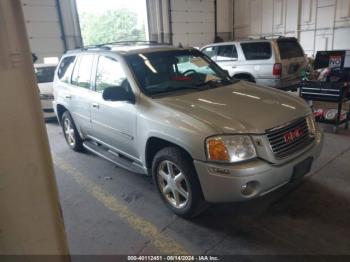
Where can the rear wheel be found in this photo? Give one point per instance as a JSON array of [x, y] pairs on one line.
[[244, 77], [71, 133], [177, 182]]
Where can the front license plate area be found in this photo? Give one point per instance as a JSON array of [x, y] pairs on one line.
[[301, 169]]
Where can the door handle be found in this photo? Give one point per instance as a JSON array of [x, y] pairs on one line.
[[68, 96], [234, 67], [95, 105]]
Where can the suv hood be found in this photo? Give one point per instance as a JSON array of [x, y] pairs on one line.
[[239, 108]]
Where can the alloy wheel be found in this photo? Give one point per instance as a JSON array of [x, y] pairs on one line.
[[69, 132], [173, 184]]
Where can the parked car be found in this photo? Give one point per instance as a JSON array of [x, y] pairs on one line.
[[275, 62], [45, 75], [176, 115]]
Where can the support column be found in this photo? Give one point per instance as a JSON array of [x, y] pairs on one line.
[[30, 217]]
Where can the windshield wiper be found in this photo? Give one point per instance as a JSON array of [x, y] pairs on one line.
[[172, 88]]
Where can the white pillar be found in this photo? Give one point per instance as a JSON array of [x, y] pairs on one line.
[[30, 217]]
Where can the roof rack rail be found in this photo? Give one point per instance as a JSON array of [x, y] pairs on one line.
[[131, 42], [88, 47], [126, 42]]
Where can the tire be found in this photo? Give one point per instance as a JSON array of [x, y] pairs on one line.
[[246, 78], [177, 183], [71, 133]]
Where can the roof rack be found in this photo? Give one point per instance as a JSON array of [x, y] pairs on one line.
[[121, 43], [266, 37]]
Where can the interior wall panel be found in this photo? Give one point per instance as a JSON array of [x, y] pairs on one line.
[[318, 24]]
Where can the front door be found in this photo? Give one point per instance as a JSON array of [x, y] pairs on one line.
[[113, 122], [227, 58]]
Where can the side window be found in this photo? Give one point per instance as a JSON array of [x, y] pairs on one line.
[[65, 69], [227, 53], [257, 50], [82, 71], [110, 74], [210, 51]]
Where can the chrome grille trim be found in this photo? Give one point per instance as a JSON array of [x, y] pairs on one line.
[[280, 147]]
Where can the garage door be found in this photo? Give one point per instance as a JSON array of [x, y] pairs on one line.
[[193, 22]]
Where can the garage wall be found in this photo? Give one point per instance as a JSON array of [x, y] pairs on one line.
[[225, 19], [189, 22], [319, 24], [48, 35]]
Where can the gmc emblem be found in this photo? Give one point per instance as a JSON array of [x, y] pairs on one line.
[[293, 135]]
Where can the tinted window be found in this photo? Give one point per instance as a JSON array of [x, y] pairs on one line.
[[65, 69], [82, 72], [290, 49], [109, 74], [210, 51], [226, 53], [257, 50], [45, 74]]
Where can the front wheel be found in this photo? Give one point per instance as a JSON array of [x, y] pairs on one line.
[[177, 182], [71, 133]]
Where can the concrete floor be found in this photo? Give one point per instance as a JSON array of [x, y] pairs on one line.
[[108, 210]]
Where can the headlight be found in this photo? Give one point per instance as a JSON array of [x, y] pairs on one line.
[[230, 149], [310, 120]]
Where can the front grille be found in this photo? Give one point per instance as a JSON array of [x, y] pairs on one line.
[[283, 141]]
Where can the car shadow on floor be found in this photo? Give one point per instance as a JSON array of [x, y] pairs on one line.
[[309, 215]]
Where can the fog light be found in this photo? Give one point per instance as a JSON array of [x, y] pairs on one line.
[[250, 188]]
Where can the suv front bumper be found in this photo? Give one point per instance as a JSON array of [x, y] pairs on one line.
[[224, 183]]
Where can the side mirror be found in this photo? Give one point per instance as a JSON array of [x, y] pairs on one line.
[[117, 93]]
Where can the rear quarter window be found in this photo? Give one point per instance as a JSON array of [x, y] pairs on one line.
[[65, 68], [257, 50], [290, 49]]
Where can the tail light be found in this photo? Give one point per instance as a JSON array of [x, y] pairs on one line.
[[277, 69]]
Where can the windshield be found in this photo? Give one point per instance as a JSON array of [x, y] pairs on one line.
[[45, 74], [162, 72]]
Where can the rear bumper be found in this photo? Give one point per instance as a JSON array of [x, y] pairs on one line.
[[223, 183], [47, 107]]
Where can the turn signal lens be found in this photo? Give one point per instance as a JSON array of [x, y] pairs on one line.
[[230, 149], [217, 150], [311, 124]]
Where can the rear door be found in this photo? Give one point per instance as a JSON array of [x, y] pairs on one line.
[[259, 60], [80, 92], [291, 57]]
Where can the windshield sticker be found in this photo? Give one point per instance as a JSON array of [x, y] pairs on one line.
[[182, 78], [198, 61]]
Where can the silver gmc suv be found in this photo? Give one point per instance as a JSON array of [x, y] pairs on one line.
[[275, 62], [176, 115]]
